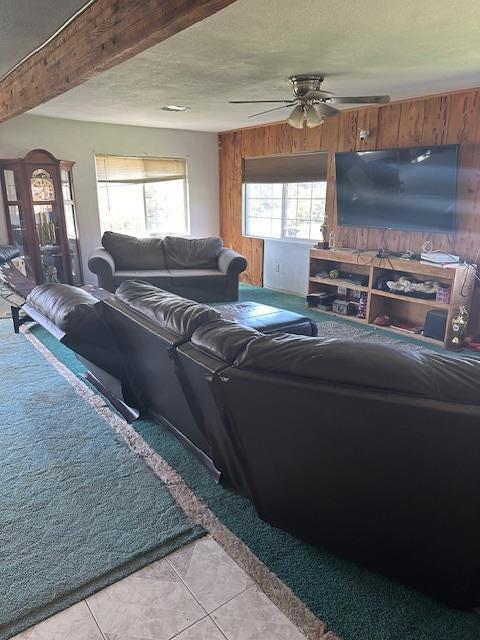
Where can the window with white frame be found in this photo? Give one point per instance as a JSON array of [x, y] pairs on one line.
[[288, 211], [284, 196], [143, 196]]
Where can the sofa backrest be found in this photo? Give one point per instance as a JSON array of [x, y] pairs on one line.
[[192, 253], [132, 253], [425, 373], [223, 339], [63, 304], [78, 317], [167, 310], [139, 254]]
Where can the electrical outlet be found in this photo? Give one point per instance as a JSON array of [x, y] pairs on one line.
[[276, 267]]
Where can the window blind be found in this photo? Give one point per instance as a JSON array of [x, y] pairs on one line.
[[133, 170], [301, 167]]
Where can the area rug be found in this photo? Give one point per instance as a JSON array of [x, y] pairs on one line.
[[338, 327], [78, 508], [326, 596]]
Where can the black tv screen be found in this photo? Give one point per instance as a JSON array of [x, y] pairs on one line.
[[409, 188]]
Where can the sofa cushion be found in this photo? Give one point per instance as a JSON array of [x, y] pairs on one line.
[[178, 315], [197, 277], [224, 339], [63, 304], [132, 253], [427, 374], [196, 273], [197, 253], [138, 274]]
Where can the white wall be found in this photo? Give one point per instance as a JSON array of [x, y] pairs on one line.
[[285, 266], [80, 141]]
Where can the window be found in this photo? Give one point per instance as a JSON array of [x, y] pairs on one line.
[[284, 196], [290, 211], [143, 196]]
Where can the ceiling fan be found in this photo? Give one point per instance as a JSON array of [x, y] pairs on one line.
[[311, 103]]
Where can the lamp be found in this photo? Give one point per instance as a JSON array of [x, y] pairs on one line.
[[314, 117], [296, 118]]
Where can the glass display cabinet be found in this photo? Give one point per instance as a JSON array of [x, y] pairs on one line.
[[39, 208]]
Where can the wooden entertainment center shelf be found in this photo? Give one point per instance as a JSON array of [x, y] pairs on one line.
[[460, 281]]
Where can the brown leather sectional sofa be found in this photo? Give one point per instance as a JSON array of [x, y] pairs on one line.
[[370, 451]]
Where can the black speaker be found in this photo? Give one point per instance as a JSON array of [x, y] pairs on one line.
[[435, 324]]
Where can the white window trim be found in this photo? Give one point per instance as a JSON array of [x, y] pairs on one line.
[[186, 190], [282, 238]]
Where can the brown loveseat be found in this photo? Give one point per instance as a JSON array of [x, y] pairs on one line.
[[201, 269]]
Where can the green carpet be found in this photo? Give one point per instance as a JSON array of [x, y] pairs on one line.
[[78, 509], [354, 603]]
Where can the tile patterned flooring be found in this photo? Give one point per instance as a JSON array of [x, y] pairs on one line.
[[195, 593]]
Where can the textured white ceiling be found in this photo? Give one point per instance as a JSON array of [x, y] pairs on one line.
[[402, 48], [26, 24]]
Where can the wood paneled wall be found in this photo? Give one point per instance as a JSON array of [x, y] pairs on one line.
[[445, 119]]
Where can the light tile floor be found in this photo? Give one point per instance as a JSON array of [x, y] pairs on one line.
[[195, 593]]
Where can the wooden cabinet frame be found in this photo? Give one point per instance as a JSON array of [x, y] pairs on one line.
[[66, 262]]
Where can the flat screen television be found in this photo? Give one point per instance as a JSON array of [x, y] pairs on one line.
[[410, 188]]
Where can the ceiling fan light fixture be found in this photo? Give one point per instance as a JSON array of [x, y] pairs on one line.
[[314, 117], [296, 118], [313, 102]]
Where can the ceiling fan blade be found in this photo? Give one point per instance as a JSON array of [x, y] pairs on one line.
[[359, 99], [319, 95], [254, 101], [284, 106], [325, 109]]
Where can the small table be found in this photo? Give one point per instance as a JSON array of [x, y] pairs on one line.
[[267, 319]]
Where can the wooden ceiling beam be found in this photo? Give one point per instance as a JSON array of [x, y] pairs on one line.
[[105, 34]]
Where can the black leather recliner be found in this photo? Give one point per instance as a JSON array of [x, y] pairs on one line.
[[198, 367], [151, 324], [75, 318], [368, 450]]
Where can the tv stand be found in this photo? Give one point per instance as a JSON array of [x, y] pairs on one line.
[[402, 309]]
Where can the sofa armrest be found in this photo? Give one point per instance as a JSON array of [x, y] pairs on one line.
[[102, 263], [230, 262]]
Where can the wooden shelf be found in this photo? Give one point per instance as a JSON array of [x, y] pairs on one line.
[[339, 282], [368, 259], [396, 296], [460, 280], [338, 315]]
